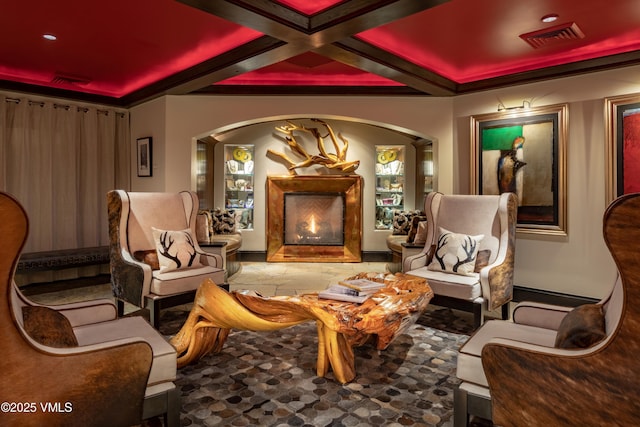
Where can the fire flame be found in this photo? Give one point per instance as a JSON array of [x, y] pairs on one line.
[[312, 225]]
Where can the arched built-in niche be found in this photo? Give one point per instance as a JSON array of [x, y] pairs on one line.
[[362, 136]]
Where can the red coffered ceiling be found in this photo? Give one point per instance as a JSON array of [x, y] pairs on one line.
[[125, 52]]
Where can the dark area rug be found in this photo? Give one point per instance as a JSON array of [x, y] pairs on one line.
[[268, 378]]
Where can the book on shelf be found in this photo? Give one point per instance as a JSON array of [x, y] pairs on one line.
[[362, 285], [342, 293]]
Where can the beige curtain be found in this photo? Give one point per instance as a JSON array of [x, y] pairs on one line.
[[59, 160]]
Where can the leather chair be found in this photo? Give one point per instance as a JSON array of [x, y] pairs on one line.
[[522, 373], [490, 285], [132, 218], [117, 372]]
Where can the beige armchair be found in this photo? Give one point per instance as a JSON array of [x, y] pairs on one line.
[[93, 368], [137, 272], [488, 283], [557, 366]]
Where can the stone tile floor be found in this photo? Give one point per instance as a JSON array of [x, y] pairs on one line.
[[268, 279], [271, 279]]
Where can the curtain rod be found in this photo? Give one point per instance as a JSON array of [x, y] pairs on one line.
[[66, 107]]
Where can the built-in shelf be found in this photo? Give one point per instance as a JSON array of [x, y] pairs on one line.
[[389, 170], [238, 182]]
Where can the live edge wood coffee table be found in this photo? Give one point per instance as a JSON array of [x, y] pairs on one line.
[[341, 325]]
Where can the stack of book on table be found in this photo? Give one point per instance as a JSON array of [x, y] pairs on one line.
[[354, 290]]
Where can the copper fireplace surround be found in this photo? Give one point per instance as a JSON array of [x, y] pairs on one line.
[[348, 185]]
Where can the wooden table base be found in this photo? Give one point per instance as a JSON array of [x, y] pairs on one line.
[[340, 325]]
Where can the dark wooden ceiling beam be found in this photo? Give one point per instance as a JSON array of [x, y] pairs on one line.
[[320, 30], [343, 20], [250, 56], [331, 33], [566, 70], [269, 18], [74, 95], [308, 90], [352, 17], [356, 53]]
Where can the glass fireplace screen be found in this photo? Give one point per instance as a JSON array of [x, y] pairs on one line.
[[315, 219]]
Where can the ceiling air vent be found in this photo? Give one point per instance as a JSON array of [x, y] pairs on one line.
[[552, 35], [69, 79]]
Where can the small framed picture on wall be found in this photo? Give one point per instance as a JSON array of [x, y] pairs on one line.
[[144, 150]]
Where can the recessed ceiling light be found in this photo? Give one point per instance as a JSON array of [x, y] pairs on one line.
[[49, 37], [549, 18]]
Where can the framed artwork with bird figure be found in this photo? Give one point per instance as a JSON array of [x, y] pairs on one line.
[[523, 151]]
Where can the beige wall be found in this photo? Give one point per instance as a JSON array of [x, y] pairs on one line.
[[577, 264], [190, 117], [151, 123]]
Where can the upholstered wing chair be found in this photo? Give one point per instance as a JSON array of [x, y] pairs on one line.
[[94, 370], [556, 366], [138, 274], [485, 223]]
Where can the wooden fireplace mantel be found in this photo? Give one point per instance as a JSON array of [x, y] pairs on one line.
[[348, 185]]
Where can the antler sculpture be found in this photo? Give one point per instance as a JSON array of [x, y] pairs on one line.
[[329, 160]]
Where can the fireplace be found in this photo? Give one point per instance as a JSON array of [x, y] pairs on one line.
[[314, 219]]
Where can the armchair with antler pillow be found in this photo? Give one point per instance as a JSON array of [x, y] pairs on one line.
[[156, 261], [469, 252]]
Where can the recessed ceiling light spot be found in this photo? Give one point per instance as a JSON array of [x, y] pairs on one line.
[[49, 37], [549, 18]]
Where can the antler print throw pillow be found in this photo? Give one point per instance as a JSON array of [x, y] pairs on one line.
[[176, 249], [455, 253]]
